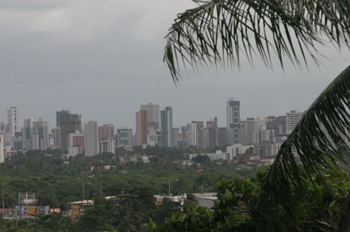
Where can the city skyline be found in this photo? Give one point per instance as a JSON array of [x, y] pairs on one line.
[[222, 122], [73, 138]]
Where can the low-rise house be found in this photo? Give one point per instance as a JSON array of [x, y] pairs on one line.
[[180, 198], [208, 202], [133, 158], [218, 155]]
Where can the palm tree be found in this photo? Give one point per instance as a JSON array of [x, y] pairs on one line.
[[218, 32]]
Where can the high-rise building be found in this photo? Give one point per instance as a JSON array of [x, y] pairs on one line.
[[262, 135], [153, 115], [2, 157], [195, 133], [35, 135], [282, 125], [58, 116], [292, 120], [3, 127], [222, 136], [91, 138], [167, 127], [69, 123], [212, 130], [142, 129], [205, 137], [249, 126], [233, 121], [14, 120], [277, 124], [183, 133], [183, 139], [43, 133], [41, 123], [176, 135], [56, 136], [124, 137], [76, 139], [105, 132], [8, 140], [76, 143], [106, 146], [154, 138], [28, 122]]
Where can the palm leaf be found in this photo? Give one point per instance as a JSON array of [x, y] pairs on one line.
[[318, 141], [219, 31]]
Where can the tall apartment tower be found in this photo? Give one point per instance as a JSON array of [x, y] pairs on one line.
[[222, 136], [292, 120], [183, 138], [14, 120], [195, 133], [249, 126], [58, 116], [28, 122], [69, 123], [153, 115], [124, 137], [142, 129], [105, 132], [56, 136], [35, 135], [2, 157], [167, 127], [91, 138], [176, 135], [233, 121], [212, 127]]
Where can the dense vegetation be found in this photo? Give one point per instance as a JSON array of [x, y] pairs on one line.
[[237, 208], [57, 181]]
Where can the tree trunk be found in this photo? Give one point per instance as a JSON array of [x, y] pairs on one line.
[[343, 224]]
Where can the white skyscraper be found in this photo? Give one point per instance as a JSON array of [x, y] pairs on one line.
[[91, 138], [14, 120], [195, 133], [153, 115], [233, 121]]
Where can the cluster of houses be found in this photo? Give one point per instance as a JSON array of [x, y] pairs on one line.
[[230, 156]]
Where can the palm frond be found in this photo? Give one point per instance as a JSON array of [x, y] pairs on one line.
[[219, 31], [319, 140]]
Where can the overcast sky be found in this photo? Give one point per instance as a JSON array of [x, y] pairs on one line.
[[103, 59]]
